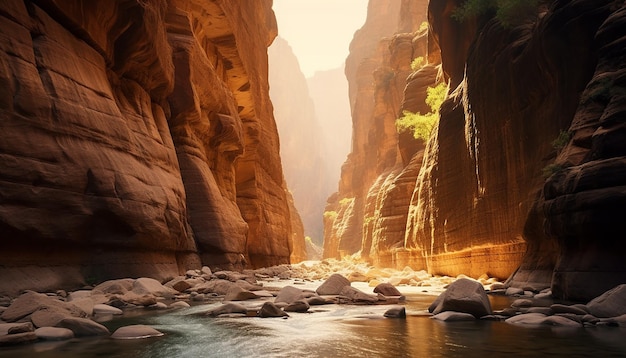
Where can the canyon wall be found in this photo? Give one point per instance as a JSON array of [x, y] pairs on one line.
[[302, 145], [523, 176], [137, 140]]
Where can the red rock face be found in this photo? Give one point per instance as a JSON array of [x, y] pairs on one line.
[[481, 202], [137, 140]]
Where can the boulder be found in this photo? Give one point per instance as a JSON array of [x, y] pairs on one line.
[[106, 309], [150, 286], [227, 308], [317, 300], [297, 306], [54, 333], [137, 331], [269, 309], [236, 293], [387, 289], [357, 296], [179, 304], [30, 302], [333, 285], [115, 287], [84, 327], [451, 316], [19, 338], [5, 328], [396, 312], [219, 286], [609, 304], [288, 294], [540, 319], [48, 318], [463, 295], [560, 308]]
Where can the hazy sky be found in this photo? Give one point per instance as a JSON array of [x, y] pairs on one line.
[[319, 31]]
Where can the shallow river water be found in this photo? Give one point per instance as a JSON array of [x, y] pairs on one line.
[[335, 331]]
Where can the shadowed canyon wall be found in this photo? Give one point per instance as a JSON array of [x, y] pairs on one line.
[[523, 176], [137, 140]]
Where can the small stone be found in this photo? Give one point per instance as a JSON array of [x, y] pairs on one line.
[[54, 333], [514, 291], [206, 271], [181, 286], [106, 309], [522, 302], [317, 300], [158, 306], [396, 312], [543, 310], [137, 331]]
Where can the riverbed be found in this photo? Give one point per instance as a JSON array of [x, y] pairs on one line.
[[334, 331]]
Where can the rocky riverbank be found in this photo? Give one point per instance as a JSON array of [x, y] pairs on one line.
[[278, 291]]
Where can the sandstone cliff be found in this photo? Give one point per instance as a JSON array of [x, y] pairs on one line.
[[137, 140], [524, 174]]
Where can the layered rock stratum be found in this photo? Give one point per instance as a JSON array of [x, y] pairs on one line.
[[523, 175], [137, 140]]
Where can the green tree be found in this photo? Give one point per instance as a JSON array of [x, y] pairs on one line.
[[422, 124], [507, 12]]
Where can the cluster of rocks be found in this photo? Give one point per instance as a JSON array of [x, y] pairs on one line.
[[466, 299], [336, 289], [33, 316]]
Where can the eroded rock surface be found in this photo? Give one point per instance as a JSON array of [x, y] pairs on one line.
[[137, 140]]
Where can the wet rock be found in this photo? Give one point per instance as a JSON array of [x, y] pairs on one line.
[[158, 306], [227, 308], [19, 338], [269, 309], [357, 296], [540, 319], [48, 318], [218, 286], [560, 308], [610, 303], [150, 286], [465, 296], [179, 304], [145, 300], [514, 291], [288, 294], [317, 300], [84, 327], [333, 285], [115, 287], [395, 312], [20, 328], [297, 306], [137, 331], [54, 333], [237, 293], [30, 302], [387, 289], [522, 302], [543, 310], [451, 316], [106, 309]]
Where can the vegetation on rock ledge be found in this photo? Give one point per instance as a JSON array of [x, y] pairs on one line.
[[422, 124]]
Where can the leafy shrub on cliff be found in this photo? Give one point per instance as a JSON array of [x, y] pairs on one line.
[[332, 215], [422, 124], [417, 63], [507, 12], [561, 141]]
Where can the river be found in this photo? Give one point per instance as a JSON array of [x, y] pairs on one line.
[[335, 331]]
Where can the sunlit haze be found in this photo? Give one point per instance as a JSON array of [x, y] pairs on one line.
[[319, 31]]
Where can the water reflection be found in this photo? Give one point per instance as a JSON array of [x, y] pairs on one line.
[[337, 331]]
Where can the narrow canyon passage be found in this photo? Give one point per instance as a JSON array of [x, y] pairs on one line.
[[450, 171]]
